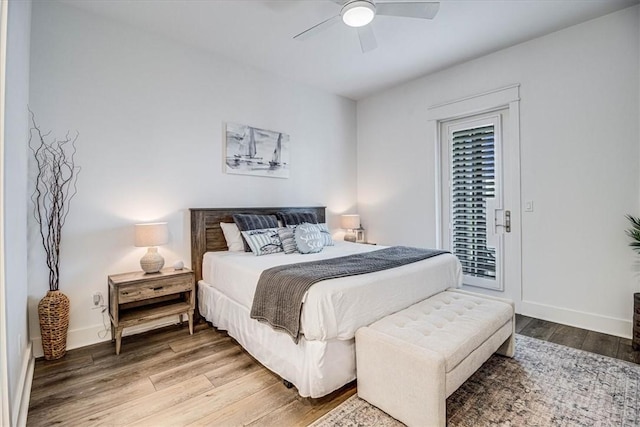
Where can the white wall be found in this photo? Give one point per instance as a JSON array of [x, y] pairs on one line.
[[150, 113], [15, 199], [580, 149]]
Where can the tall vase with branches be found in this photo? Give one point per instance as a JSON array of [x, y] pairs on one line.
[[55, 186]]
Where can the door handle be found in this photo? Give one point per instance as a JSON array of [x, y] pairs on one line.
[[507, 221]]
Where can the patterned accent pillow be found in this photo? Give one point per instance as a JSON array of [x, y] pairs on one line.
[[308, 238], [247, 222], [326, 234], [264, 241], [232, 236], [288, 240], [295, 218], [327, 240]]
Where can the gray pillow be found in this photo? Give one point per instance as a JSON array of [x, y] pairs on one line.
[[326, 234], [308, 238], [247, 222], [324, 230], [295, 218], [288, 240]]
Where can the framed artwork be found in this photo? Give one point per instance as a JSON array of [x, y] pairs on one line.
[[254, 151]]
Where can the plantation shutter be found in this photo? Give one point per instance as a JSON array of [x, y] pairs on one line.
[[472, 183]]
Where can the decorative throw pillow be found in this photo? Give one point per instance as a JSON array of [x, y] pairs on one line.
[[326, 234], [295, 218], [247, 222], [232, 236], [288, 240], [308, 238], [327, 240], [264, 241]]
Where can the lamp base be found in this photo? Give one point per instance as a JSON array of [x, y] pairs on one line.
[[350, 236], [152, 261]]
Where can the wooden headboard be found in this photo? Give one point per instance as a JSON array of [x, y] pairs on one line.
[[206, 234]]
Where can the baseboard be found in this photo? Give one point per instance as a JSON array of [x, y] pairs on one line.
[[23, 393], [580, 319], [83, 337]]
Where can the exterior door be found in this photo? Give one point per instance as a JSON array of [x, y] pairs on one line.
[[477, 210]]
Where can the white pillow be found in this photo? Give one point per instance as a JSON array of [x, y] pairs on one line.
[[232, 236]]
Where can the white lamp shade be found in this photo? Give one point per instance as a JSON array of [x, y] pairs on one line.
[[350, 222], [154, 234]]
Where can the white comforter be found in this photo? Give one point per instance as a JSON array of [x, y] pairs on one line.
[[336, 308]]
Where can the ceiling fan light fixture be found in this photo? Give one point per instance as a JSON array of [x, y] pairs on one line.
[[358, 13]]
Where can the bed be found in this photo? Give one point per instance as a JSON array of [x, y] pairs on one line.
[[324, 358]]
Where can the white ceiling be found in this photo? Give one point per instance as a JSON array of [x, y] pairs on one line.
[[259, 34]]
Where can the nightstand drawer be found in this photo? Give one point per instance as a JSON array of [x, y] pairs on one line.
[[158, 288]]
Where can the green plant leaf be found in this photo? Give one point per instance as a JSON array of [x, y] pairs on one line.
[[634, 232]]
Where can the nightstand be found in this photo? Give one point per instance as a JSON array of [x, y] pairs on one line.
[[138, 297]]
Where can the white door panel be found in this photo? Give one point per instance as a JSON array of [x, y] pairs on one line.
[[476, 211]]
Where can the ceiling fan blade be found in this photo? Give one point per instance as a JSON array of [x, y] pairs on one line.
[[420, 9], [317, 28], [367, 38]]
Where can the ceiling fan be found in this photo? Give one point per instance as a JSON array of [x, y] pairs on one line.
[[359, 13]]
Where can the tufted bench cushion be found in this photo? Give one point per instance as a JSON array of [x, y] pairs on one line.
[[450, 323], [410, 361]]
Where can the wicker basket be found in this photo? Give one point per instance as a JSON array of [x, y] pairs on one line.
[[53, 311]]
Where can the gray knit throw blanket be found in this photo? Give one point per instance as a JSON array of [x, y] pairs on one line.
[[279, 293]]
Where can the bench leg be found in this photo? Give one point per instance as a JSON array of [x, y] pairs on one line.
[[508, 348], [406, 381]]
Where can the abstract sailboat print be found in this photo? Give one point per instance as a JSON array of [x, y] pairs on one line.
[[248, 148]]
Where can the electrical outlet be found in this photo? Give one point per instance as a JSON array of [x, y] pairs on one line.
[[97, 298]]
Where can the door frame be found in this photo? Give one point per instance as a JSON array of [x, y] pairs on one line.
[[4, 380], [503, 98]]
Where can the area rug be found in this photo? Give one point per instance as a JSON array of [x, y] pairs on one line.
[[545, 384]]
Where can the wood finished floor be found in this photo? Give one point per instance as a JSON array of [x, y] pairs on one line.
[[582, 339], [168, 378]]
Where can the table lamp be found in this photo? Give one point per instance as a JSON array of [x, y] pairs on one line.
[[350, 223], [150, 236]]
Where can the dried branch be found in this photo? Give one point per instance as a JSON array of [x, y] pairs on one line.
[[55, 186]]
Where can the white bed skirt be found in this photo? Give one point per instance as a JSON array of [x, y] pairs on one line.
[[316, 368]]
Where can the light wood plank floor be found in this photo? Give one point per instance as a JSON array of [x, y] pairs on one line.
[[167, 377]]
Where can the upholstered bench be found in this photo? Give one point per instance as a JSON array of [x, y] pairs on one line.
[[409, 362]]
